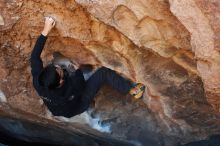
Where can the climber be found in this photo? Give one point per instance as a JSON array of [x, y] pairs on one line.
[[69, 94]]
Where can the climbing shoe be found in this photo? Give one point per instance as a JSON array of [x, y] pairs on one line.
[[137, 90]]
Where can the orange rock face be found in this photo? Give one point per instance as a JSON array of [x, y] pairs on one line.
[[170, 46], [201, 19]]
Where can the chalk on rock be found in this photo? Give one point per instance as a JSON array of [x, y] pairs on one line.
[[2, 97], [2, 20]]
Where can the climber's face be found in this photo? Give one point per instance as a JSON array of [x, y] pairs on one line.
[[61, 74]]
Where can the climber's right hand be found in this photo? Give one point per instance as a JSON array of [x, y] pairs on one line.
[[49, 24], [75, 65]]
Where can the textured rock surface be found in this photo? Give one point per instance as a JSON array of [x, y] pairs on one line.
[[201, 18], [171, 46]]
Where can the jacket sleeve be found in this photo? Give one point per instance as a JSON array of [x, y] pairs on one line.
[[79, 80], [36, 62]]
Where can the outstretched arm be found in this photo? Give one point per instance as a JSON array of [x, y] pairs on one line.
[[36, 62]]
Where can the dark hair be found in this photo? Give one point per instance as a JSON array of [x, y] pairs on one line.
[[49, 78]]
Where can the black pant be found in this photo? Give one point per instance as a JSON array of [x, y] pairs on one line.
[[103, 76]]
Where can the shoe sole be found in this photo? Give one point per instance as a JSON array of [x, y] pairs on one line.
[[140, 94]]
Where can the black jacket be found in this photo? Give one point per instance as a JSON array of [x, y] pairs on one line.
[[63, 101]]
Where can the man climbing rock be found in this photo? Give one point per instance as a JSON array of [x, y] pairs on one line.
[[68, 94]]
